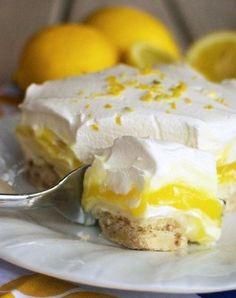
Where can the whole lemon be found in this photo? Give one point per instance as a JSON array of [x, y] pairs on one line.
[[126, 26], [214, 55], [64, 50]]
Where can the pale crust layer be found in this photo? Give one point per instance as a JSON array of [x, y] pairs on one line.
[[162, 234], [41, 176]]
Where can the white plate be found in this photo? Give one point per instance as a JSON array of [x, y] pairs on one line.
[[42, 241]]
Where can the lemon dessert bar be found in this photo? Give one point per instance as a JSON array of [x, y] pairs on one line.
[[154, 195], [65, 123]]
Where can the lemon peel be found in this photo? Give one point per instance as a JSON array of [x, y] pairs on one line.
[[145, 55], [214, 55]]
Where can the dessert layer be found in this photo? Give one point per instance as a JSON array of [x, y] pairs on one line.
[[144, 178], [163, 234], [171, 103], [42, 145]]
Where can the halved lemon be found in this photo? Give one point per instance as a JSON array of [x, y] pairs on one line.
[[146, 55], [215, 55]]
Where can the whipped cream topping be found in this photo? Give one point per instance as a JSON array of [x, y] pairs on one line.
[[171, 103], [131, 162]]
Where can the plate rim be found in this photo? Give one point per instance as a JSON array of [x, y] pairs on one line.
[[117, 286]]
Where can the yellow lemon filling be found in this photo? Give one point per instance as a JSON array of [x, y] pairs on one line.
[[181, 197], [55, 150], [50, 147], [227, 173]]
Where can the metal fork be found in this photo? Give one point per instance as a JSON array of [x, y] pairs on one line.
[[65, 197]]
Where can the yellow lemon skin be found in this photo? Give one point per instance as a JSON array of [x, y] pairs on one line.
[[214, 55], [64, 50], [126, 26], [145, 56]]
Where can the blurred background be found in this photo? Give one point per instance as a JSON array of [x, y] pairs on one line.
[[187, 19]]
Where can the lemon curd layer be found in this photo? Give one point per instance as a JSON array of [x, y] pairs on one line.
[[226, 166], [227, 173], [191, 205], [135, 202], [49, 147]]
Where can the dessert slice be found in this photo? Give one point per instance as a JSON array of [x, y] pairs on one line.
[[65, 123], [153, 195]]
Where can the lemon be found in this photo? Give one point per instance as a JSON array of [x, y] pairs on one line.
[[126, 26], [145, 55], [215, 55], [64, 50]]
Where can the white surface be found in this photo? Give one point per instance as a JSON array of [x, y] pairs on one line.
[[61, 107], [43, 241]]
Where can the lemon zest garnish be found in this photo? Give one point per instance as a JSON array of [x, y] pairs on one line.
[[128, 109], [143, 86], [87, 106], [156, 82], [111, 80], [147, 96], [108, 106], [116, 89], [114, 86], [146, 71], [187, 100], [221, 101], [177, 90], [173, 106], [94, 127], [118, 120], [209, 107], [162, 96]]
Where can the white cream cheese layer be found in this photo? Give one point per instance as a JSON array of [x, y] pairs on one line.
[[171, 103], [130, 162], [146, 178]]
